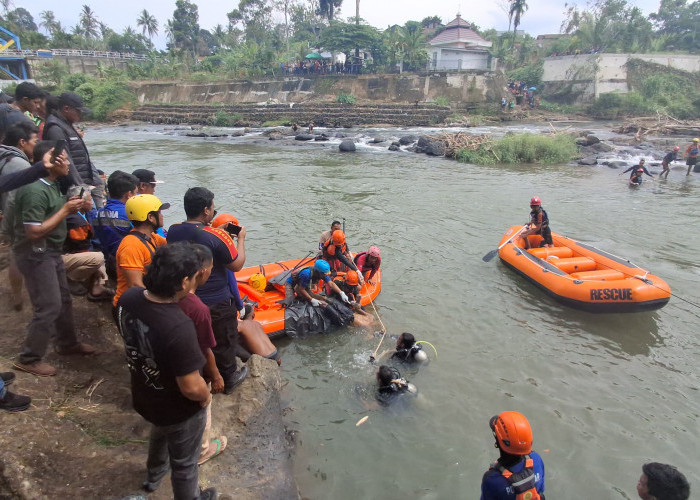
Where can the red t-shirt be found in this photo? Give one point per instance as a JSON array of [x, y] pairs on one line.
[[199, 313]]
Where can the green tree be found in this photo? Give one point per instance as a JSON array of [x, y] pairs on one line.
[[679, 20], [413, 43], [49, 23], [431, 22], [148, 24], [515, 13], [344, 37], [255, 16], [89, 25], [326, 8], [21, 20], [184, 27]]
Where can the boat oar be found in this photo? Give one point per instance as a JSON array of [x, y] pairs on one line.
[[489, 256]]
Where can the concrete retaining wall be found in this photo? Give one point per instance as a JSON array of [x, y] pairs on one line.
[[458, 87], [88, 65], [586, 76]]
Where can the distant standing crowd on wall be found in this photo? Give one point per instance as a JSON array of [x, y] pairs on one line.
[[322, 67], [520, 95]]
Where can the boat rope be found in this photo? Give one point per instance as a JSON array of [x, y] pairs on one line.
[[372, 357]]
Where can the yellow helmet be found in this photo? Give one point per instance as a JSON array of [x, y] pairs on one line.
[[696, 140], [138, 207], [258, 282]]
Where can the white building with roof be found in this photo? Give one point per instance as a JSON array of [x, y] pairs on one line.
[[458, 48]]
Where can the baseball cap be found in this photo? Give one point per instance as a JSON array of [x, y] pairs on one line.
[[144, 175], [73, 100]]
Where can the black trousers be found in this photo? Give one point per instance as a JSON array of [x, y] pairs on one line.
[[224, 322]]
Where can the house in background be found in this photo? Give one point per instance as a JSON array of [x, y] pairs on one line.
[[458, 48]]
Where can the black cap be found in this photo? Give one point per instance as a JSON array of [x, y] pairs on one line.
[[144, 175], [73, 100]]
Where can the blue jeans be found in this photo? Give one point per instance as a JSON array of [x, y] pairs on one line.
[[177, 447], [2, 388]]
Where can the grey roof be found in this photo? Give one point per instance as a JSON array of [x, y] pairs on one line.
[[459, 31]]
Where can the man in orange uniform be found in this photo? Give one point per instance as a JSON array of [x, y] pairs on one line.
[[137, 248]]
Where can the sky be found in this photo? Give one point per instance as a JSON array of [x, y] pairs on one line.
[[542, 16]]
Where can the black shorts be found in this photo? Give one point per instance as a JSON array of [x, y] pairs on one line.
[[691, 161]]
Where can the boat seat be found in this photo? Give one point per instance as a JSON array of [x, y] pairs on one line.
[[599, 275], [573, 264], [543, 253]]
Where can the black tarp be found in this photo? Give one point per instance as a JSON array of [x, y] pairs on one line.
[[302, 319]]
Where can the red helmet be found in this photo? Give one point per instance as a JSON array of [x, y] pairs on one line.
[[374, 251], [223, 219], [352, 279], [535, 200], [677, 148], [513, 432], [338, 237]]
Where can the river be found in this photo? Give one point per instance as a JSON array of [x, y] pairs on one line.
[[604, 393]]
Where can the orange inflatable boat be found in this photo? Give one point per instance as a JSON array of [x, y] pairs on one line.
[[267, 311], [583, 276]]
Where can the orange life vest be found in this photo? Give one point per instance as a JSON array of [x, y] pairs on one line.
[[330, 249], [523, 482]]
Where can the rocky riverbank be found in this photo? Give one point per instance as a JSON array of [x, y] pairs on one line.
[[82, 439]]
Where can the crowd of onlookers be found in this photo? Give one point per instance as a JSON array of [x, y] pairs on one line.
[[519, 95], [351, 66]]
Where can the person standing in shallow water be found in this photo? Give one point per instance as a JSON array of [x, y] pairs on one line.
[[165, 363]]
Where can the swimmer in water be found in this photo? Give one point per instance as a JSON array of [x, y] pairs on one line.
[[406, 351], [391, 385]]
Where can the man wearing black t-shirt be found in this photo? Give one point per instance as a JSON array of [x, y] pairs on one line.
[[215, 293], [165, 363]]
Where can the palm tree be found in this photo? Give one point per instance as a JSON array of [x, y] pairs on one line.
[[516, 11], [48, 22], [148, 23], [88, 22]]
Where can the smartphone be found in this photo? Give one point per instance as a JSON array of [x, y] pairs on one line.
[[233, 229], [58, 149], [82, 192]]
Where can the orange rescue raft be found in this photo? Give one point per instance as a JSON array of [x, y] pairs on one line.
[[267, 311], [584, 277]]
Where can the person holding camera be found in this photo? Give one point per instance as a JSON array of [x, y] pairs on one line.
[[216, 292], [39, 234]]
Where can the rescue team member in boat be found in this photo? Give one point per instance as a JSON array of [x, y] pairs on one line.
[[636, 177], [368, 263], [350, 284], [635, 168], [691, 154], [326, 235], [539, 224], [666, 162], [662, 482], [299, 285], [336, 252], [519, 472]]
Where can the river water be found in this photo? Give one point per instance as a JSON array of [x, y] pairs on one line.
[[604, 393]]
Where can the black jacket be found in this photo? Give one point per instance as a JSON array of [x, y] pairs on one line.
[[81, 171]]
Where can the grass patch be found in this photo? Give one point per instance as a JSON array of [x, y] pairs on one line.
[[553, 107], [346, 99], [522, 148], [276, 123], [442, 101], [224, 119]]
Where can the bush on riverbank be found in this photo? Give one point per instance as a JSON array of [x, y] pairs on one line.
[[522, 148], [103, 96]]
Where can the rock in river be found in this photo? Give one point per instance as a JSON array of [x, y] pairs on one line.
[[347, 145]]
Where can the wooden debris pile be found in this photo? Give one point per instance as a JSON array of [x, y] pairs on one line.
[[453, 142], [660, 124]]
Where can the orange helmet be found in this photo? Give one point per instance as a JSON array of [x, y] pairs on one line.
[[351, 278], [338, 237], [223, 219], [513, 432]]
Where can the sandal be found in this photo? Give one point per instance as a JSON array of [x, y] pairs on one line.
[[219, 445]]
